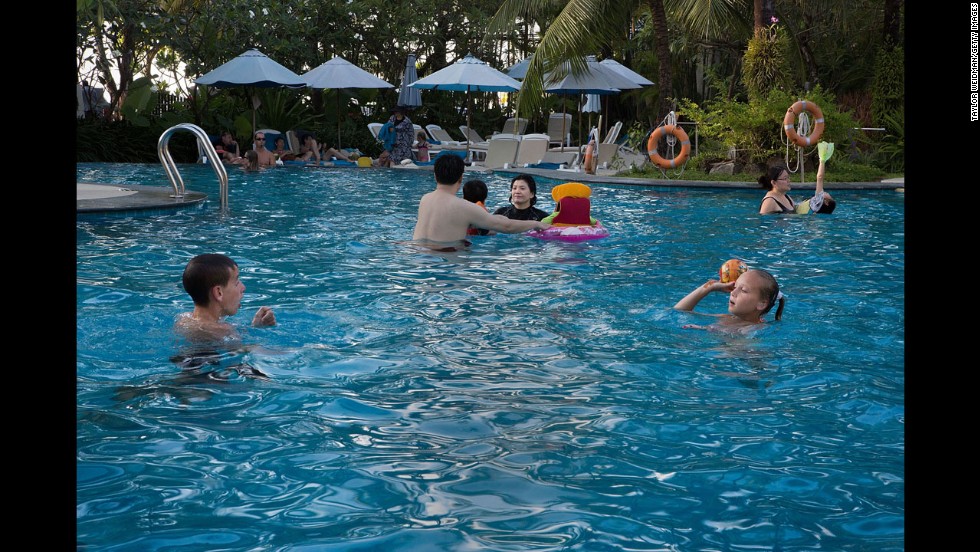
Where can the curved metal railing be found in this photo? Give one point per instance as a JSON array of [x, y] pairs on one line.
[[206, 150]]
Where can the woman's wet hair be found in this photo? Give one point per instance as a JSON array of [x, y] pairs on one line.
[[770, 290], [531, 185], [772, 174]]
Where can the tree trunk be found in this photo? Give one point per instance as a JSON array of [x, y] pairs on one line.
[[658, 18], [892, 25]]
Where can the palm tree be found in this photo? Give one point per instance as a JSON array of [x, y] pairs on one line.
[[581, 28]]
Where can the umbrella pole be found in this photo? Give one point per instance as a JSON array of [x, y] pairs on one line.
[[469, 109], [338, 118], [563, 125], [252, 98], [580, 129]]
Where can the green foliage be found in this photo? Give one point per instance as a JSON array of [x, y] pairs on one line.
[[104, 141], [755, 129], [888, 90], [140, 101], [838, 170], [766, 67]]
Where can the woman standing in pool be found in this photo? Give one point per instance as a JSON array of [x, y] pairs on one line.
[[776, 180], [751, 296], [523, 196]]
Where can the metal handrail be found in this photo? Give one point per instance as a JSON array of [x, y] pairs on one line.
[[204, 146]]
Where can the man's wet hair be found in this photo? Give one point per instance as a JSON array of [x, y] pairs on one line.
[[448, 169]]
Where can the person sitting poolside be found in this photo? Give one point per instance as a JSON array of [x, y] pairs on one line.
[[444, 217], [309, 151], [280, 150], [266, 158], [227, 148]]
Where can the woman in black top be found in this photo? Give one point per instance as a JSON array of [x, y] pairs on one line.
[[777, 199], [523, 195]]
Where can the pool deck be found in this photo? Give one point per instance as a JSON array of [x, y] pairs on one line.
[[107, 198]]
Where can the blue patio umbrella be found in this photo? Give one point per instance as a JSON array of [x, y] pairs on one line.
[[626, 72], [468, 75], [519, 69], [592, 105], [252, 69], [596, 79], [341, 74], [409, 97]]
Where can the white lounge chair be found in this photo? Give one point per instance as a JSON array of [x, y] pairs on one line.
[[501, 150], [560, 135], [514, 125], [292, 141], [532, 149], [567, 158], [375, 128], [471, 135], [613, 133], [436, 132]]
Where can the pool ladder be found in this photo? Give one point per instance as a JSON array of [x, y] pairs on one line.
[[205, 150]]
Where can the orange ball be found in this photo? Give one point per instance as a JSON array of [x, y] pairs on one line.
[[731, 270]]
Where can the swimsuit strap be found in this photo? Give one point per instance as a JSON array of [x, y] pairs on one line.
[[781, 206]]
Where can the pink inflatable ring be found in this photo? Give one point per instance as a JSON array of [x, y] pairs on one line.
[[571, 233]]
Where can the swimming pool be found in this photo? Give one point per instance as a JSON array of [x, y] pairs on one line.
[[519, 395]]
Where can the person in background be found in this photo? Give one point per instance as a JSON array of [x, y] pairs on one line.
[[309, 151], [330, 153], [404, 135], [523, 196], [776, 200], [475, 191], [227, 147], [282, 151], [212, 281], [444, 217], [751, 296], [422, 145], [266, 158], [251, 161]]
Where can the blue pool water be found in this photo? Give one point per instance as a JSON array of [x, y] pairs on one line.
[[521, 395]]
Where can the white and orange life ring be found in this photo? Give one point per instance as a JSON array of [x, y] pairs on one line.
[[789, 123], [655, 137]]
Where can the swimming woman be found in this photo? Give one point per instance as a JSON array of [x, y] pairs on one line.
[[776, 180], [523, 196]]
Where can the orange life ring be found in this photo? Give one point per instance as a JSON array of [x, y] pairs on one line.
[[789, 123], [591, 152], [655, 137], [589, 159]]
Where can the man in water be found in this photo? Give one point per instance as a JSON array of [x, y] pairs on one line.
[[444, 217], [266, 157]]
